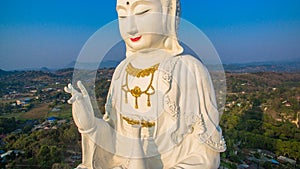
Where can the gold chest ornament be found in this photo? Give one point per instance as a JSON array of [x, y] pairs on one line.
[[137, 91]]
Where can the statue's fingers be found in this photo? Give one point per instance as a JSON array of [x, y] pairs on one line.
[[74, 97], [71, 100], [82, 88], [71, 88], [67, 90]]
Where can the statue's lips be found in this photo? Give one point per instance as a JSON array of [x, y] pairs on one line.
[[136, 39]]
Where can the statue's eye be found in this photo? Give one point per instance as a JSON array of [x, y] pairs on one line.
[[122, 17], [143, 12]]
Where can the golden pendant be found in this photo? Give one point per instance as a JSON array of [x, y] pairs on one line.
[[136, 91]]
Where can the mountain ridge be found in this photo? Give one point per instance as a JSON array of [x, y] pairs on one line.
[[251, 67]]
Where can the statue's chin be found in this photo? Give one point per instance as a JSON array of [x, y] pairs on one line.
[[150, 50]]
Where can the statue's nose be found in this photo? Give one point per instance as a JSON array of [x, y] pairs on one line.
[[132, 27]]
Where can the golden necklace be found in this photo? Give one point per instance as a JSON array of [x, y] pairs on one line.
[[136, 91]]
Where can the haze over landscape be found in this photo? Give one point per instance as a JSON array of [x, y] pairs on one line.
[[36, 34]]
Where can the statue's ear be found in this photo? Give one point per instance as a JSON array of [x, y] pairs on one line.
[[170, 27], [165, 20], [166, 16]]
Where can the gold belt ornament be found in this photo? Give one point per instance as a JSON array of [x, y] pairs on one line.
[[136, 91], [143, 123]]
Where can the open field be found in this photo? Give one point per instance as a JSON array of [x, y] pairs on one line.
[[37, 112], [64, 113]]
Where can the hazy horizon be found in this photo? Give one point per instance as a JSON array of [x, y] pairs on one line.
[[110, 62]]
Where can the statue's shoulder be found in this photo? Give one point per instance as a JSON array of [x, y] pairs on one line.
[[119, 69], [190, 60], [183, 62]]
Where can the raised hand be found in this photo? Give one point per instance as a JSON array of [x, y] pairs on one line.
[[82, 109]]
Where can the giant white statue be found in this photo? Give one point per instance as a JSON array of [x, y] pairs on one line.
[[161, 110]]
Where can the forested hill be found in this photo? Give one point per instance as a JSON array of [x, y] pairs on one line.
[[262, 112]]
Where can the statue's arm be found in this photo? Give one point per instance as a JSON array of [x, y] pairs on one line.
[[82, 110], [92, 129], [198, 103]]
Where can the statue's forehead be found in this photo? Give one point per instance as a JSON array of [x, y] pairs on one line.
[[128, 2]]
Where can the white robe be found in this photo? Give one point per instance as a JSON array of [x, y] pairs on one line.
[[186, 132]]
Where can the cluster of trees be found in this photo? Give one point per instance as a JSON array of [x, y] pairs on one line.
[[262, 120], [43, 148], [6, 108], [8, 125]]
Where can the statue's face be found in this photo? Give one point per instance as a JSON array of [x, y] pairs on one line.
[[141, 23]]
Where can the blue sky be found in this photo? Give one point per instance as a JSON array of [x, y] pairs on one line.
[[50, 33]]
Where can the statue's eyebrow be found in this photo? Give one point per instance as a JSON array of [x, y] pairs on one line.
[[139, 2], [120, 7], [133, 5]]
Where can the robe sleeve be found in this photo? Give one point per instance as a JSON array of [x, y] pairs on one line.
[[110, 115], [198, 112], [103, 133]]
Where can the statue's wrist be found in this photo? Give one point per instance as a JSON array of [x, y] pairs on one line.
[[88, 131]]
